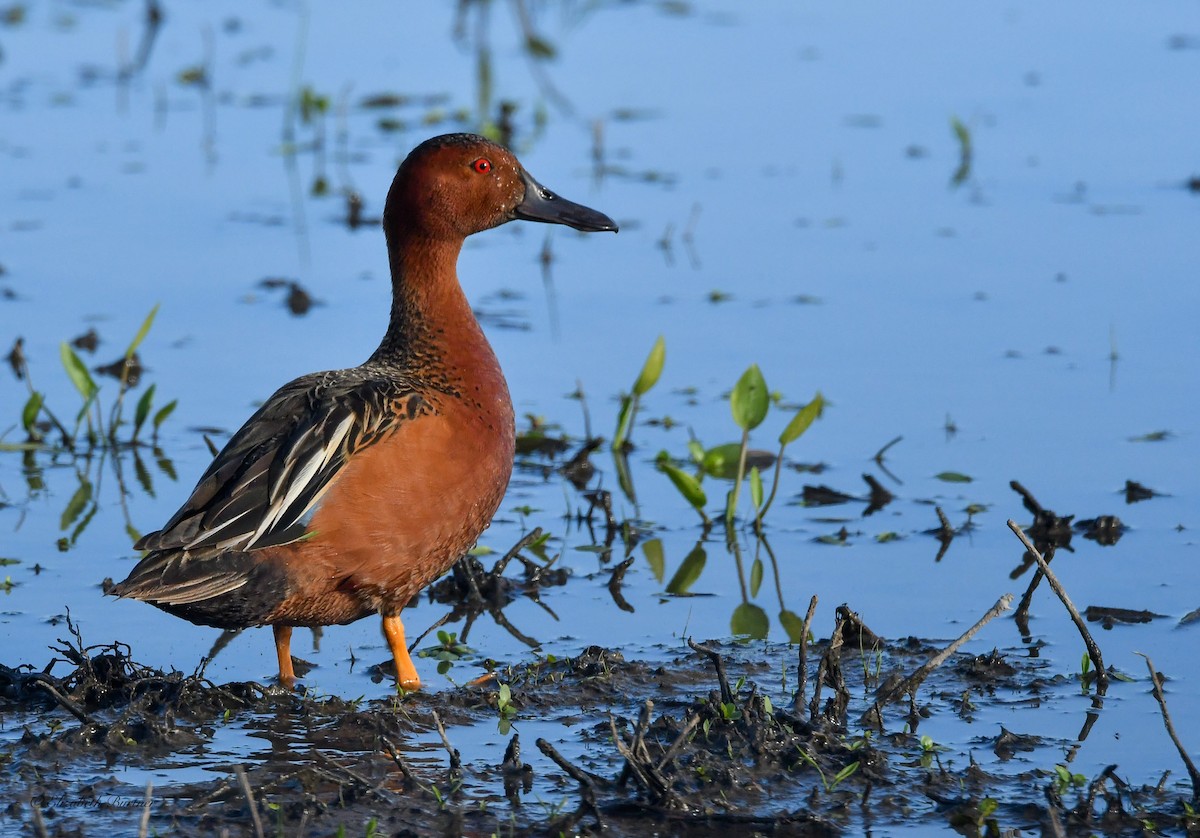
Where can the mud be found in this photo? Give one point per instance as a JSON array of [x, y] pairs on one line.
[[694, 746]]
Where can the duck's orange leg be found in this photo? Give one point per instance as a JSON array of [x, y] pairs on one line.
[[406, 672], [283, 650]]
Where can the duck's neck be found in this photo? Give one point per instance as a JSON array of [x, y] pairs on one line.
[[430, 315]]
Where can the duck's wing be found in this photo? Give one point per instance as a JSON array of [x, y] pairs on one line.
[[260, 489]]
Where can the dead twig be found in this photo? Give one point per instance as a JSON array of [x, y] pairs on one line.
[[1093, 650], [51, 687], [249, 792], [144, 825], [455, 758], [401, 762], [1162, 706], [912, 682], [802, 664], [39, 823], [373, 789], [719, 664], [680, 741], [590, 782], [527, 539]]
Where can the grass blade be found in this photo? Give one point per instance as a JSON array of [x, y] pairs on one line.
[[77, 371], [141, 333]]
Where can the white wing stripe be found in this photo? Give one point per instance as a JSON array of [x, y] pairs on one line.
[[299, 480]]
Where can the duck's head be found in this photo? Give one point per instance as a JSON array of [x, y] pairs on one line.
[[458, 184]]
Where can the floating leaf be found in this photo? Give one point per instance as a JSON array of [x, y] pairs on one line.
[[722, 460], [141, 333], [655, 558], [77, 371], [696, 451], [804, 417], [756, 488], [687, 485], [756, 576], [953, 477], [885, 537], [1153, 436], [750, 620], [749, 400], [652, 369], [689, 571], [793, 625]]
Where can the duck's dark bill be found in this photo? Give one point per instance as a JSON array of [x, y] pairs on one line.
[[540, 204]]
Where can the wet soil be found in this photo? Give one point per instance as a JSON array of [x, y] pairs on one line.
[[693, 746]]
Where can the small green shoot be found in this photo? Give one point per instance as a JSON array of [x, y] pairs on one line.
[[830, 783], [647, 378], [507, 711]]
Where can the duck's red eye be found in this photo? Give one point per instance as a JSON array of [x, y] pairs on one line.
[[482, 165]]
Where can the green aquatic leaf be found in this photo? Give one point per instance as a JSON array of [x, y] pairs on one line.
[[749, 400], [953, 477], [756, 488], [165, 411], [687, 485], [793, 624], [141, 333], [142, 411], [624, 414], [689, 571], [77, 371], [804, 417], [655, 558], [76, 504], [722, 460], [652, 369], [749, 621], [756, 576], [29, 413]]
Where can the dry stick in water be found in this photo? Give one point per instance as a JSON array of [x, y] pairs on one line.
[[719, 664], [802, 664], [249, 792], [913, 681], [585, 779], [144, 826], [1092, 649], [401, 763], [1162, 704], [455, 759]]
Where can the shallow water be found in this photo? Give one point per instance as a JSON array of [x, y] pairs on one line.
[[808, 152]]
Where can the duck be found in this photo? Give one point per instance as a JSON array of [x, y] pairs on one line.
[[348, 491]]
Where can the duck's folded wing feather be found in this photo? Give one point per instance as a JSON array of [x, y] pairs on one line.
[[260, 488]]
